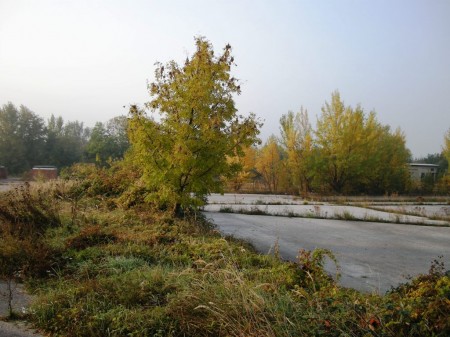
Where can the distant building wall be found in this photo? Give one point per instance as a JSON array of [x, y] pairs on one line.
[[418, 171], [44, 172], [3, 172]]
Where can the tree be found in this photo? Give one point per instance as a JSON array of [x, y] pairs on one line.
[[22, 138], [387, 162], [248, 173], [184, 154], [444, 183], [339, 140], [66, 142], [446, 148], [11, 147], [270, 165], [296, 138], [117, 130], [99, 148], [356, 154], [108, 141], [32, 132]]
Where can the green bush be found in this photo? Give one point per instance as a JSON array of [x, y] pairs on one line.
[[422, 306]]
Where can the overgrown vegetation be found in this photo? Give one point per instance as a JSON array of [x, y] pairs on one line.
[[99, 268], [120, 249]]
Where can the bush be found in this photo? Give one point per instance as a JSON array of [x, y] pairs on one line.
[[422, 306], [117, 184], [25, 212]]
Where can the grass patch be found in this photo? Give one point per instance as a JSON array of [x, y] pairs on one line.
[[346, 215], [140, 272]]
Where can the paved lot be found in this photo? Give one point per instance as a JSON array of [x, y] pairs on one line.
[[373, 256], [7, 184], [20, 302]]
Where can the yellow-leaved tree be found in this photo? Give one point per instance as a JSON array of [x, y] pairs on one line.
[[270, 165], [446, 153], [184, 153], [354, 153], [296, 140]]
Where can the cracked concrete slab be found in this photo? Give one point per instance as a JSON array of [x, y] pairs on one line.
[[373, 256]]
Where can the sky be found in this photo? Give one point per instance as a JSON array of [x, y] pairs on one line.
[[86, 59]]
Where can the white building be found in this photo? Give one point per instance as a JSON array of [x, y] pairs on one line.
[[418, 171]]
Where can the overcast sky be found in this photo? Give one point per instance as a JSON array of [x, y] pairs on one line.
[[85, 60]]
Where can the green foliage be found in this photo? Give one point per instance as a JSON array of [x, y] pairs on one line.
[[138, 272], [118, 184], [22, 138], [26, 140], [65, 142], [108, 141], [421, 307], [313, 275], [184, 155]]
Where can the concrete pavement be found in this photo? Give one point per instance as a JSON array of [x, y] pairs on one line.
[[373, 256]]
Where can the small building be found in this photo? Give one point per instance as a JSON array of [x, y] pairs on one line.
[[44, 172], [3, 172], [418, 171]]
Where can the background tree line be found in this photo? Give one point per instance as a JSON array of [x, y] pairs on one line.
[[349, 152], [26, 139]]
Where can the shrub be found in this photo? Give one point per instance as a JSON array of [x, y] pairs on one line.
[[25, 212], [420, 307]]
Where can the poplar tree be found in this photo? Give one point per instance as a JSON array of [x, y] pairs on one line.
[[355, 153], [296, 139], [184, 151]]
